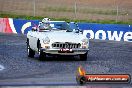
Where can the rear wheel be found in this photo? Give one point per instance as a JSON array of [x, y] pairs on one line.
[[84, 57], [30, 52]]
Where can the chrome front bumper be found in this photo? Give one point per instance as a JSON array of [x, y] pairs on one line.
[[56, 51]]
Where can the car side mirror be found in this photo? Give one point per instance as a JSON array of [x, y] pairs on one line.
[[76, 30], [34, 29], [81, 31]]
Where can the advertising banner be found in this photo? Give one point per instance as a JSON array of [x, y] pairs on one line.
[[117, 32]]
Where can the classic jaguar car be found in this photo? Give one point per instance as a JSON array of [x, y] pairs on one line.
[[58, 39]]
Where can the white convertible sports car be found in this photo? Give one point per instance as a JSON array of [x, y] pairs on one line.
[[57, 41]]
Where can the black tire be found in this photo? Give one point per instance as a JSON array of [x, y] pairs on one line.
[[83, 57], [42, 55], [30, 52]]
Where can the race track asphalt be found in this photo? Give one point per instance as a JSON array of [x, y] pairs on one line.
[[105, 57]]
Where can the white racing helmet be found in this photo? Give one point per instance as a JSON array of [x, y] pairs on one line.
[[46, 23], [45, 20]]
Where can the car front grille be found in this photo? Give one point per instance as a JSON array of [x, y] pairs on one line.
[[66, 45]]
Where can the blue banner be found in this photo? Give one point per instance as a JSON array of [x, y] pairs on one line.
[[117, 32]]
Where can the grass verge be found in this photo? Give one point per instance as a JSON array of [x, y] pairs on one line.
[[62, 19]]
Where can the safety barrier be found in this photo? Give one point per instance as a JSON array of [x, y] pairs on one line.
[[115, 32]]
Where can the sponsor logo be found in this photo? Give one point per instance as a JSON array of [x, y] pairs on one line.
[[109, 35], [82, 77]]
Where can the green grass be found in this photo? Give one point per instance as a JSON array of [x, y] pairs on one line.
[[63, 19]]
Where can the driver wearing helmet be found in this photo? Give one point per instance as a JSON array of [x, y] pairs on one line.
[[45, 24]]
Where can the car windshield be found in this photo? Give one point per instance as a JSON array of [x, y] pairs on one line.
[[44, 26], [62, 26]]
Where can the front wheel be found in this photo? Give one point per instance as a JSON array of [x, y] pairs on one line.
[[30, 52], [84, 57], [42, 55]]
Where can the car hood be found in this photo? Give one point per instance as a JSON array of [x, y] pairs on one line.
[[62, 36]]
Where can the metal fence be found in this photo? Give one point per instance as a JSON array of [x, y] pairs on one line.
[[119, 10]]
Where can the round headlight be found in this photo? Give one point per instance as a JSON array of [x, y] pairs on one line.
[[85, 40], [85, 43], [46, 40]]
